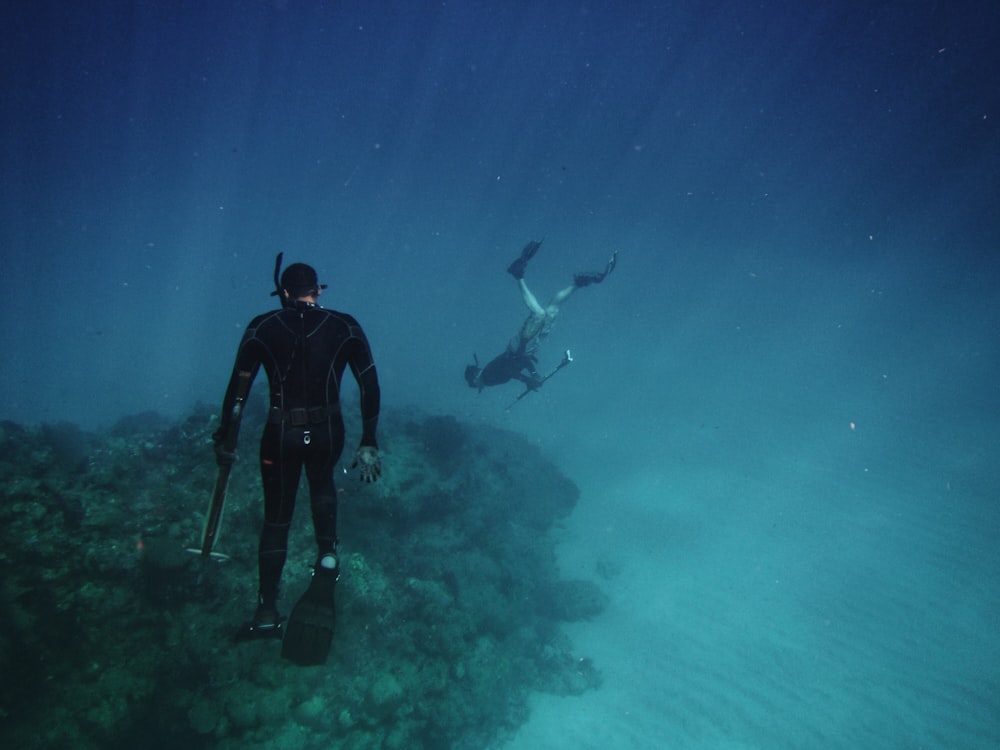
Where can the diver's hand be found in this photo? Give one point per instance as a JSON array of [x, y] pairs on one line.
[[224, 457], [369, 463]]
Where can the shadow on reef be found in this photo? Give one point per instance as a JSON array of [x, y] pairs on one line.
[[448, 607]]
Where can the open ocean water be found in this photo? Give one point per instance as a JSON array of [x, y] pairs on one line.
[[782, 409]]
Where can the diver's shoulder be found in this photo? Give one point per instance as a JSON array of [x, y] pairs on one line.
[[340, 316], [265, 317]]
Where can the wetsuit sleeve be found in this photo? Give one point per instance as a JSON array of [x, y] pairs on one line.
[[363, 368], [240, 382]]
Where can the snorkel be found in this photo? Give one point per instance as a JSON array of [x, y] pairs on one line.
[[285, 302]]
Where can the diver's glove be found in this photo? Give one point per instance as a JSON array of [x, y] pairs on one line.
[[369, 463], [223, 457]]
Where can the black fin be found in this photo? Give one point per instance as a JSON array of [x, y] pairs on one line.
[[309, 630], [252, 631], [516, 269]]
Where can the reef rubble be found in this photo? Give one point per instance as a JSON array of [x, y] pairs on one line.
[[449, 606]]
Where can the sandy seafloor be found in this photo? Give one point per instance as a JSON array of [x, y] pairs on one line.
[[837, 597]]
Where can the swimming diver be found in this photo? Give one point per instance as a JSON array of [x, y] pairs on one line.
[[518, 360]]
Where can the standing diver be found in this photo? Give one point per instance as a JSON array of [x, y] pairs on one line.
[[304, 349], [518, 361]]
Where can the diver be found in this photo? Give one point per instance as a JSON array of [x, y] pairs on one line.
[[304, 349], [518, 361]]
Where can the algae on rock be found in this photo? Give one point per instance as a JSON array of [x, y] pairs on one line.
[[448, 606]]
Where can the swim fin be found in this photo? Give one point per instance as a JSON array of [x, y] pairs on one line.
[[309, 629], [266, 623], [595, 277], [516, 269]]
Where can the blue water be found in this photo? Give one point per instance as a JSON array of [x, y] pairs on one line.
[[782, 412]]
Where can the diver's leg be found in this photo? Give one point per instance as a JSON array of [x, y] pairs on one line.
[[529, 299], [553, 307], [321, 458], [559, 298], [280, 468]]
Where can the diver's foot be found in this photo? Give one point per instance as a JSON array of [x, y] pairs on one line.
[[516, 269], [593, 277], [266, 623], [328, 566], [612, 261]]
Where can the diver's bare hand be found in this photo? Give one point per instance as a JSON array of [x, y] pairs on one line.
[[369, 463]]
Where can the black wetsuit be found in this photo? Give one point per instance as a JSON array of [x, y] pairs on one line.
[[511, 365], [304, 350]]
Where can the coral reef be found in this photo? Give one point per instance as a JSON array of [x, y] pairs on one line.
[[448, 608]]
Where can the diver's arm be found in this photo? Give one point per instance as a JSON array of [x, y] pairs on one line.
[[367, 459], [240, 382], [362, 364], [371, 398], [531, 380], [358, 356]]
